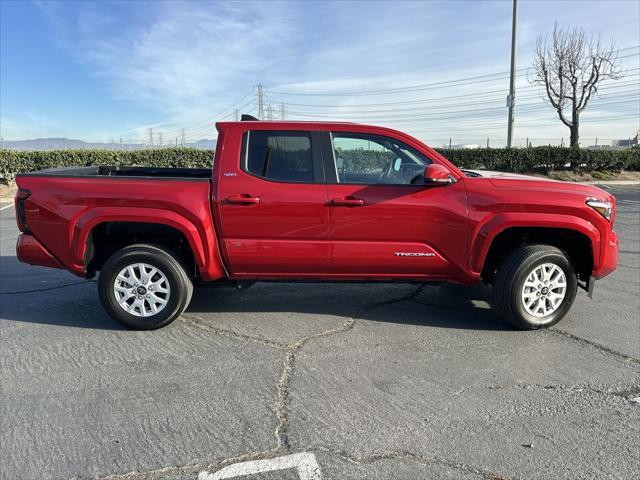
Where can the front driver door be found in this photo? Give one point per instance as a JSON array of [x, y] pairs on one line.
[[384, 223]]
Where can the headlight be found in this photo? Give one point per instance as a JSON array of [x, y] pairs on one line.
[[603, 207]]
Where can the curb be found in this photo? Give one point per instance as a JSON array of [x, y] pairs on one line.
[[612, 182]]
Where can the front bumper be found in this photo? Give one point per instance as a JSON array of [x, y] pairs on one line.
[[30, 250], [609, 256]]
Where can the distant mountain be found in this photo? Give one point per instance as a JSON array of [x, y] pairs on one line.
[[38, 144]]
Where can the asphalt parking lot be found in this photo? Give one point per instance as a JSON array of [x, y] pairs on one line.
[[374, 381]]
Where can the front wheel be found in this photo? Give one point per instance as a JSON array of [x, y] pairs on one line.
[[535, 287], [144, 287]]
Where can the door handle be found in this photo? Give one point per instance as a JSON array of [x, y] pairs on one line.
[[349, 201], [243, 200]]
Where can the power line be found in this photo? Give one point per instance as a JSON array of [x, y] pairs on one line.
[[418, 87], [422, 108], [438, 99]]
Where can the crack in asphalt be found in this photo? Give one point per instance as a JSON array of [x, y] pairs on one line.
[[44, 289], [282, 399], [625, 391], [412, 458], [602, 348], [201, 323]]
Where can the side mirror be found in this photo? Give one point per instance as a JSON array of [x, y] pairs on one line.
[[436, 174]]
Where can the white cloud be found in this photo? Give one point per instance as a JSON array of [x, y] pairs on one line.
[[187, 61]]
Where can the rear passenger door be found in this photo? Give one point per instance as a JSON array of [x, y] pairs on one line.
[[273, 210]]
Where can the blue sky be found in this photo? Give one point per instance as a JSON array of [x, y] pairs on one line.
[[102, 70]]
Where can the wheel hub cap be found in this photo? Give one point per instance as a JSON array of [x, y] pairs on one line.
[[544, 290], [141, 289]]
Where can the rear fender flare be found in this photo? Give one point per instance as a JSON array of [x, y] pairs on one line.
[[201, 240]]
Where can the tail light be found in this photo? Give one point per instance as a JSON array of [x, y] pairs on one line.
[[21, 219]]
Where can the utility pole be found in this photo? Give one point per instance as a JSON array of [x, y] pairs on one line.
[[269, 112], [176, 142], [511, 99], [64, 143], [150, 137], [260, 95], [121, 146], [236, 118], [182, 138], [283, 111]]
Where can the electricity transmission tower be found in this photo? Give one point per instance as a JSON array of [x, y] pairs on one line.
[[182, 138], [269, 112], [283, 111], [160, 139], [150, 137], [260, 96]]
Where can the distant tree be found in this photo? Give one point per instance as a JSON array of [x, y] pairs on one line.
[[570, 68]]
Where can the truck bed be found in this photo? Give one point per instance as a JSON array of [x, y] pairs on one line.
[[124, 172]]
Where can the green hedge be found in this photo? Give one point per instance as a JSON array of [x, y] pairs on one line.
[[544, 159], [536, 159], [13, 161]]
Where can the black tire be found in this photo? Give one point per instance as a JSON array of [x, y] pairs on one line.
[[510, 279], [180, 286]]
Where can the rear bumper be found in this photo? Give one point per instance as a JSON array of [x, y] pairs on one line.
[[30, 250], [609, 258]]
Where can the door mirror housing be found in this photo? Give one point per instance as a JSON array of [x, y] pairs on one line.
[[436, 174]]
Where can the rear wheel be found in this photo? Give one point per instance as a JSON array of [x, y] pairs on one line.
[[535, 287], [144, 287]]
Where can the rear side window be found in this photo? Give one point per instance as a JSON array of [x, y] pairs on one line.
[[279, 155]]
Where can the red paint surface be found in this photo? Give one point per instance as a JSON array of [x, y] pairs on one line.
[[247, 227]]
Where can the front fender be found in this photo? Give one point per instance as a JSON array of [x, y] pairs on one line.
[[201, 238], [484, 233]]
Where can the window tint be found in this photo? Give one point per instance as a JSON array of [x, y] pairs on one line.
[[375, 159], [281, 156]]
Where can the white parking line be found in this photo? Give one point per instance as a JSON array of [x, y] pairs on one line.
[[305, 463]]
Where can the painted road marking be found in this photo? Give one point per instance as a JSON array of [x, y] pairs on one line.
[[305, 463], [6, 206]]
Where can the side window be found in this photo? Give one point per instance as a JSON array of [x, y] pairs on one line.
[[374, 159], [278, 155]]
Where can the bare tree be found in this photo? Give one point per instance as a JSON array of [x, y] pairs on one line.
[[570, 68]]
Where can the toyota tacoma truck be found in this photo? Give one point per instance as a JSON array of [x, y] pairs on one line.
[[298, 201]]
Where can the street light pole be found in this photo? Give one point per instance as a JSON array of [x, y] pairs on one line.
[[511, 98]]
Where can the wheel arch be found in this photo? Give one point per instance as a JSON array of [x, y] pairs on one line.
[[578, 238], [201, 241]]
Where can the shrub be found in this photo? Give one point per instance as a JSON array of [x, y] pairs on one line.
[[13, 162], [519, 160], [536, 159]]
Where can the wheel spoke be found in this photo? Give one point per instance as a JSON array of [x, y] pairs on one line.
[[161, 301], [154, 307], [132, 273]]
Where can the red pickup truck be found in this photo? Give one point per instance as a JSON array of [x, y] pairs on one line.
[[287, 201]]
